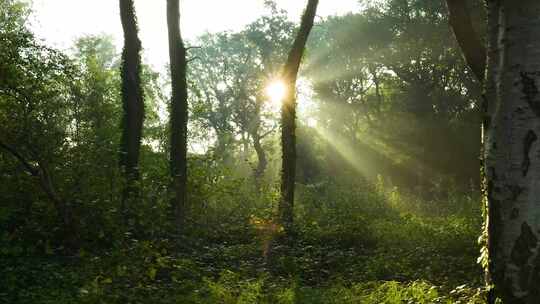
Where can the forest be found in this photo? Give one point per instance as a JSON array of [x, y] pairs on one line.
[[387, 155]]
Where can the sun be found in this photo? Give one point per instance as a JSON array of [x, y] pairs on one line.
[[276, 91]]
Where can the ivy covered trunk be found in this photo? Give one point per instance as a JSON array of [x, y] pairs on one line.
[[133, 106], [288, 117], [512, 151], [179, 113]]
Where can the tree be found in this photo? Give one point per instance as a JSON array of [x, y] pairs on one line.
[[510, 149], [36, 109], [288, 117], [270, 35], [97, 110], [228, 81], [215, 75], [399, 86], [178, 110], [133, 105]]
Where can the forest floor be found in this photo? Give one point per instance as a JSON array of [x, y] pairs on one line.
[[357, 249]]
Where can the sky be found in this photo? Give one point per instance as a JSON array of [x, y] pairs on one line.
[[60, 22]]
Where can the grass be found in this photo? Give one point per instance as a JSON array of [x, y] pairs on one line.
[[368, 245]]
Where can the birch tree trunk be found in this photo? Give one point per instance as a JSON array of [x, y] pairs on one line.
[[512, 151]]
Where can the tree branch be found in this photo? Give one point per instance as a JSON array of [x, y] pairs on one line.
[[39, 172], [46, 183], [471, 45], [193, 59], [268, 132], [29, 167], [193, 47]]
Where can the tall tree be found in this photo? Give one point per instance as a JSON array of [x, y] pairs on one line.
[[133, 104], [178, 110], [288, 117], [511, 152]]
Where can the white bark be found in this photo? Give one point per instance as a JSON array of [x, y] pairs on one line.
[[513, 154]]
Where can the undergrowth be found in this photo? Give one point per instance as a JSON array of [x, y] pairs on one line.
[[371, 244]]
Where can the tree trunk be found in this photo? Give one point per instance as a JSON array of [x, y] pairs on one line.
[[261, 157], [222, 148], [133, 105], [179, 113], [288, 118], [254, 129], [378, 94], [512, 154]]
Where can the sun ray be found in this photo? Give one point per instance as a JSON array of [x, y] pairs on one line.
[[371, 153]]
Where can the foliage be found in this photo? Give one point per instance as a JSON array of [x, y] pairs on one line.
[[385, 212], [338, 257], [392, 80]]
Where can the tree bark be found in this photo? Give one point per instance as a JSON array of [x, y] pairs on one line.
[[133, 106], [254, 129], [179, 113], [488, 105], [261, 157], [288, 118], [469, 42], [512, 153]]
